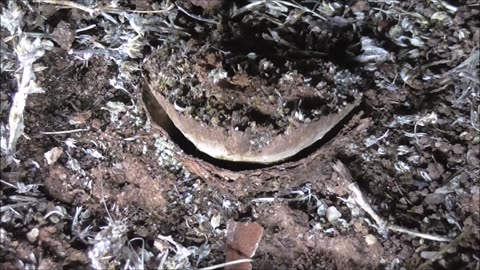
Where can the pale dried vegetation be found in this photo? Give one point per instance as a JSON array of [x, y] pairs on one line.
[[435, 53]]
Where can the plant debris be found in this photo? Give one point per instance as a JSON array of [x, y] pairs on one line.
[[90, 179]]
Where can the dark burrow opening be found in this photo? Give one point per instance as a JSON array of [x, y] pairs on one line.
[[303, 59]]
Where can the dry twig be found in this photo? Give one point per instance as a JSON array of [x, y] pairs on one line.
[[445, 249], [359, 198], [71, 4], [64, 131], [226, 264]]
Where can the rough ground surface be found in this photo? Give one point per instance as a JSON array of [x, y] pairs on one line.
[[411, 146]]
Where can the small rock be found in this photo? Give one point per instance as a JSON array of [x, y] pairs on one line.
[[333, 214], [244, 236], [242, 241], [321, 208], [33, 235], [428, 254], [53, 155], [476, 140], [215, 221], [443, 147], [160, 245], [371, 239]]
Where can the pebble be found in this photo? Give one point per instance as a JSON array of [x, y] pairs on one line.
[[33, 235], [371, 239], [333, 214], [53, 155], [321, 208], [428, 254]]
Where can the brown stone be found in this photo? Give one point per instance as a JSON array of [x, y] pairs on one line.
[[242, 242]]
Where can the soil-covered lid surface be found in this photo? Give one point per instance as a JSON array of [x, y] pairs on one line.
[[247, 117], [287, 134]]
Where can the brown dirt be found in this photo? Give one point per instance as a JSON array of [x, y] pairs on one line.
[[135, 181], [156, 187]]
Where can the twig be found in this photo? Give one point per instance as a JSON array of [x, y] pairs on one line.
[[246, 8], [4, 208], [305, 9], [358, 197], [119, 10], [85, 28], [401, 192], [140, 258], [69, 4], [8, 184], [360, 200], [64, 131], [396, 228], [226, 264], [54, 212], [293, 4]]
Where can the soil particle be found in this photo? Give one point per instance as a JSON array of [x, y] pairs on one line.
[[469, 204], [435, 171], [131, 182], [347, 251], [280, 220], [473, 156], [47, 239], [64, 35], [58, 183], [8, 266], [48, 263], [24, 252], [69, 84], [333, 214]]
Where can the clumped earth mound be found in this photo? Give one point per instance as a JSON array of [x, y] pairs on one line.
[[91, 182], [251, 104]]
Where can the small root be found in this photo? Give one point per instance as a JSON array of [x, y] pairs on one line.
[[383, 225]]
